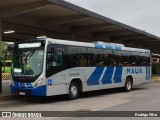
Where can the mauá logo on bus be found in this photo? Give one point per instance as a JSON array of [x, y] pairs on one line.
[[134, 71]]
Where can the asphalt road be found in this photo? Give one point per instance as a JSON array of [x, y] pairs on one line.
[[144, 97]]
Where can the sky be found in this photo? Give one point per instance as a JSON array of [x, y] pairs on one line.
[[141, 14]]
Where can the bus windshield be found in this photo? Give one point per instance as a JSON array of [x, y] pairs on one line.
[[28, 62]]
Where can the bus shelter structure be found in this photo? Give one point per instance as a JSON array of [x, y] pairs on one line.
[[28, 19]]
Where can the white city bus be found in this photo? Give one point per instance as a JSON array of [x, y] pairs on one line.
[[51, 67]]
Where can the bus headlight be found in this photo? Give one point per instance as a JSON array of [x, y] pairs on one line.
[[38, 83]]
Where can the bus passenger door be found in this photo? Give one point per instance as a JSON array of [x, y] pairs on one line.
[[55, 63]]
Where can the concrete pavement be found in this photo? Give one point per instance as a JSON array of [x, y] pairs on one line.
[[5, 88], [6, 94]]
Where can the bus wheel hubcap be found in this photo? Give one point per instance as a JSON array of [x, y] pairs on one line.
[[74, 90], [128, 85]]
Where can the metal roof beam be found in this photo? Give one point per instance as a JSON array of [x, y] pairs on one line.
[[62, 20], [152, 44], [111, 28], [138, 40], [133, 45], [10, 11], [155, 45], [90, 28], [115, 33], [147, 42], [125, 37], [123, 33]]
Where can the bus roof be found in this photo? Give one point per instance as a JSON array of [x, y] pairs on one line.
[[98, 45], [110, 46]]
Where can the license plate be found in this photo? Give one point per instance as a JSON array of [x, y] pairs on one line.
[[21, 93]]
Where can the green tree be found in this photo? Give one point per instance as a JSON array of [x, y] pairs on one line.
[[2, 51]]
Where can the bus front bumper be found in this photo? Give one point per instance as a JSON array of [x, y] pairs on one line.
[[39, 91]]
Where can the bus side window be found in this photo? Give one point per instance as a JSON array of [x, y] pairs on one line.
[[72, 58], [109, 58], [144, 59], [51, 61], [82, 60], [148, 59], [60, 59], [92, 57], [125, 58], [77, 57], [81, 56], [119, 58], [95, 57], [55, 59], [99, 57], [132, 60]]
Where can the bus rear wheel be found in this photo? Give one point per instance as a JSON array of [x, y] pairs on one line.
[[128, 85], [73, 91]]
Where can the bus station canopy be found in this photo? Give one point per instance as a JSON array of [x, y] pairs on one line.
[[62, 20]]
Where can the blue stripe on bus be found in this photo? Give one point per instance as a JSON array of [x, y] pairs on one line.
[[147, 72], [98, 46], [118, 75], [107, 78], [94, 78]]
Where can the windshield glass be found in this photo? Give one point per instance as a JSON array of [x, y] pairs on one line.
[[27, 62]]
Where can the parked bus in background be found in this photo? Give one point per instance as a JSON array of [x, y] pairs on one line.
[[47, 67], [6, 67]]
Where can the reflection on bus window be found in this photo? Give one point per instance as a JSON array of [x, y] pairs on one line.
[[95, 57], [77, 57], [109, 58], [123, 58], [144, 59], [134, 58], [54, 60], [28, 62]]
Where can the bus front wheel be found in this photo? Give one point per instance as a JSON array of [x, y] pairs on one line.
[[73, 91]]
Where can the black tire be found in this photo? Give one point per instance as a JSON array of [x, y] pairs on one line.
[[73, 91], [128, 85]]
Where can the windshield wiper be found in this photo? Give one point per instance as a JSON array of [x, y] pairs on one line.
[[30, 54]]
